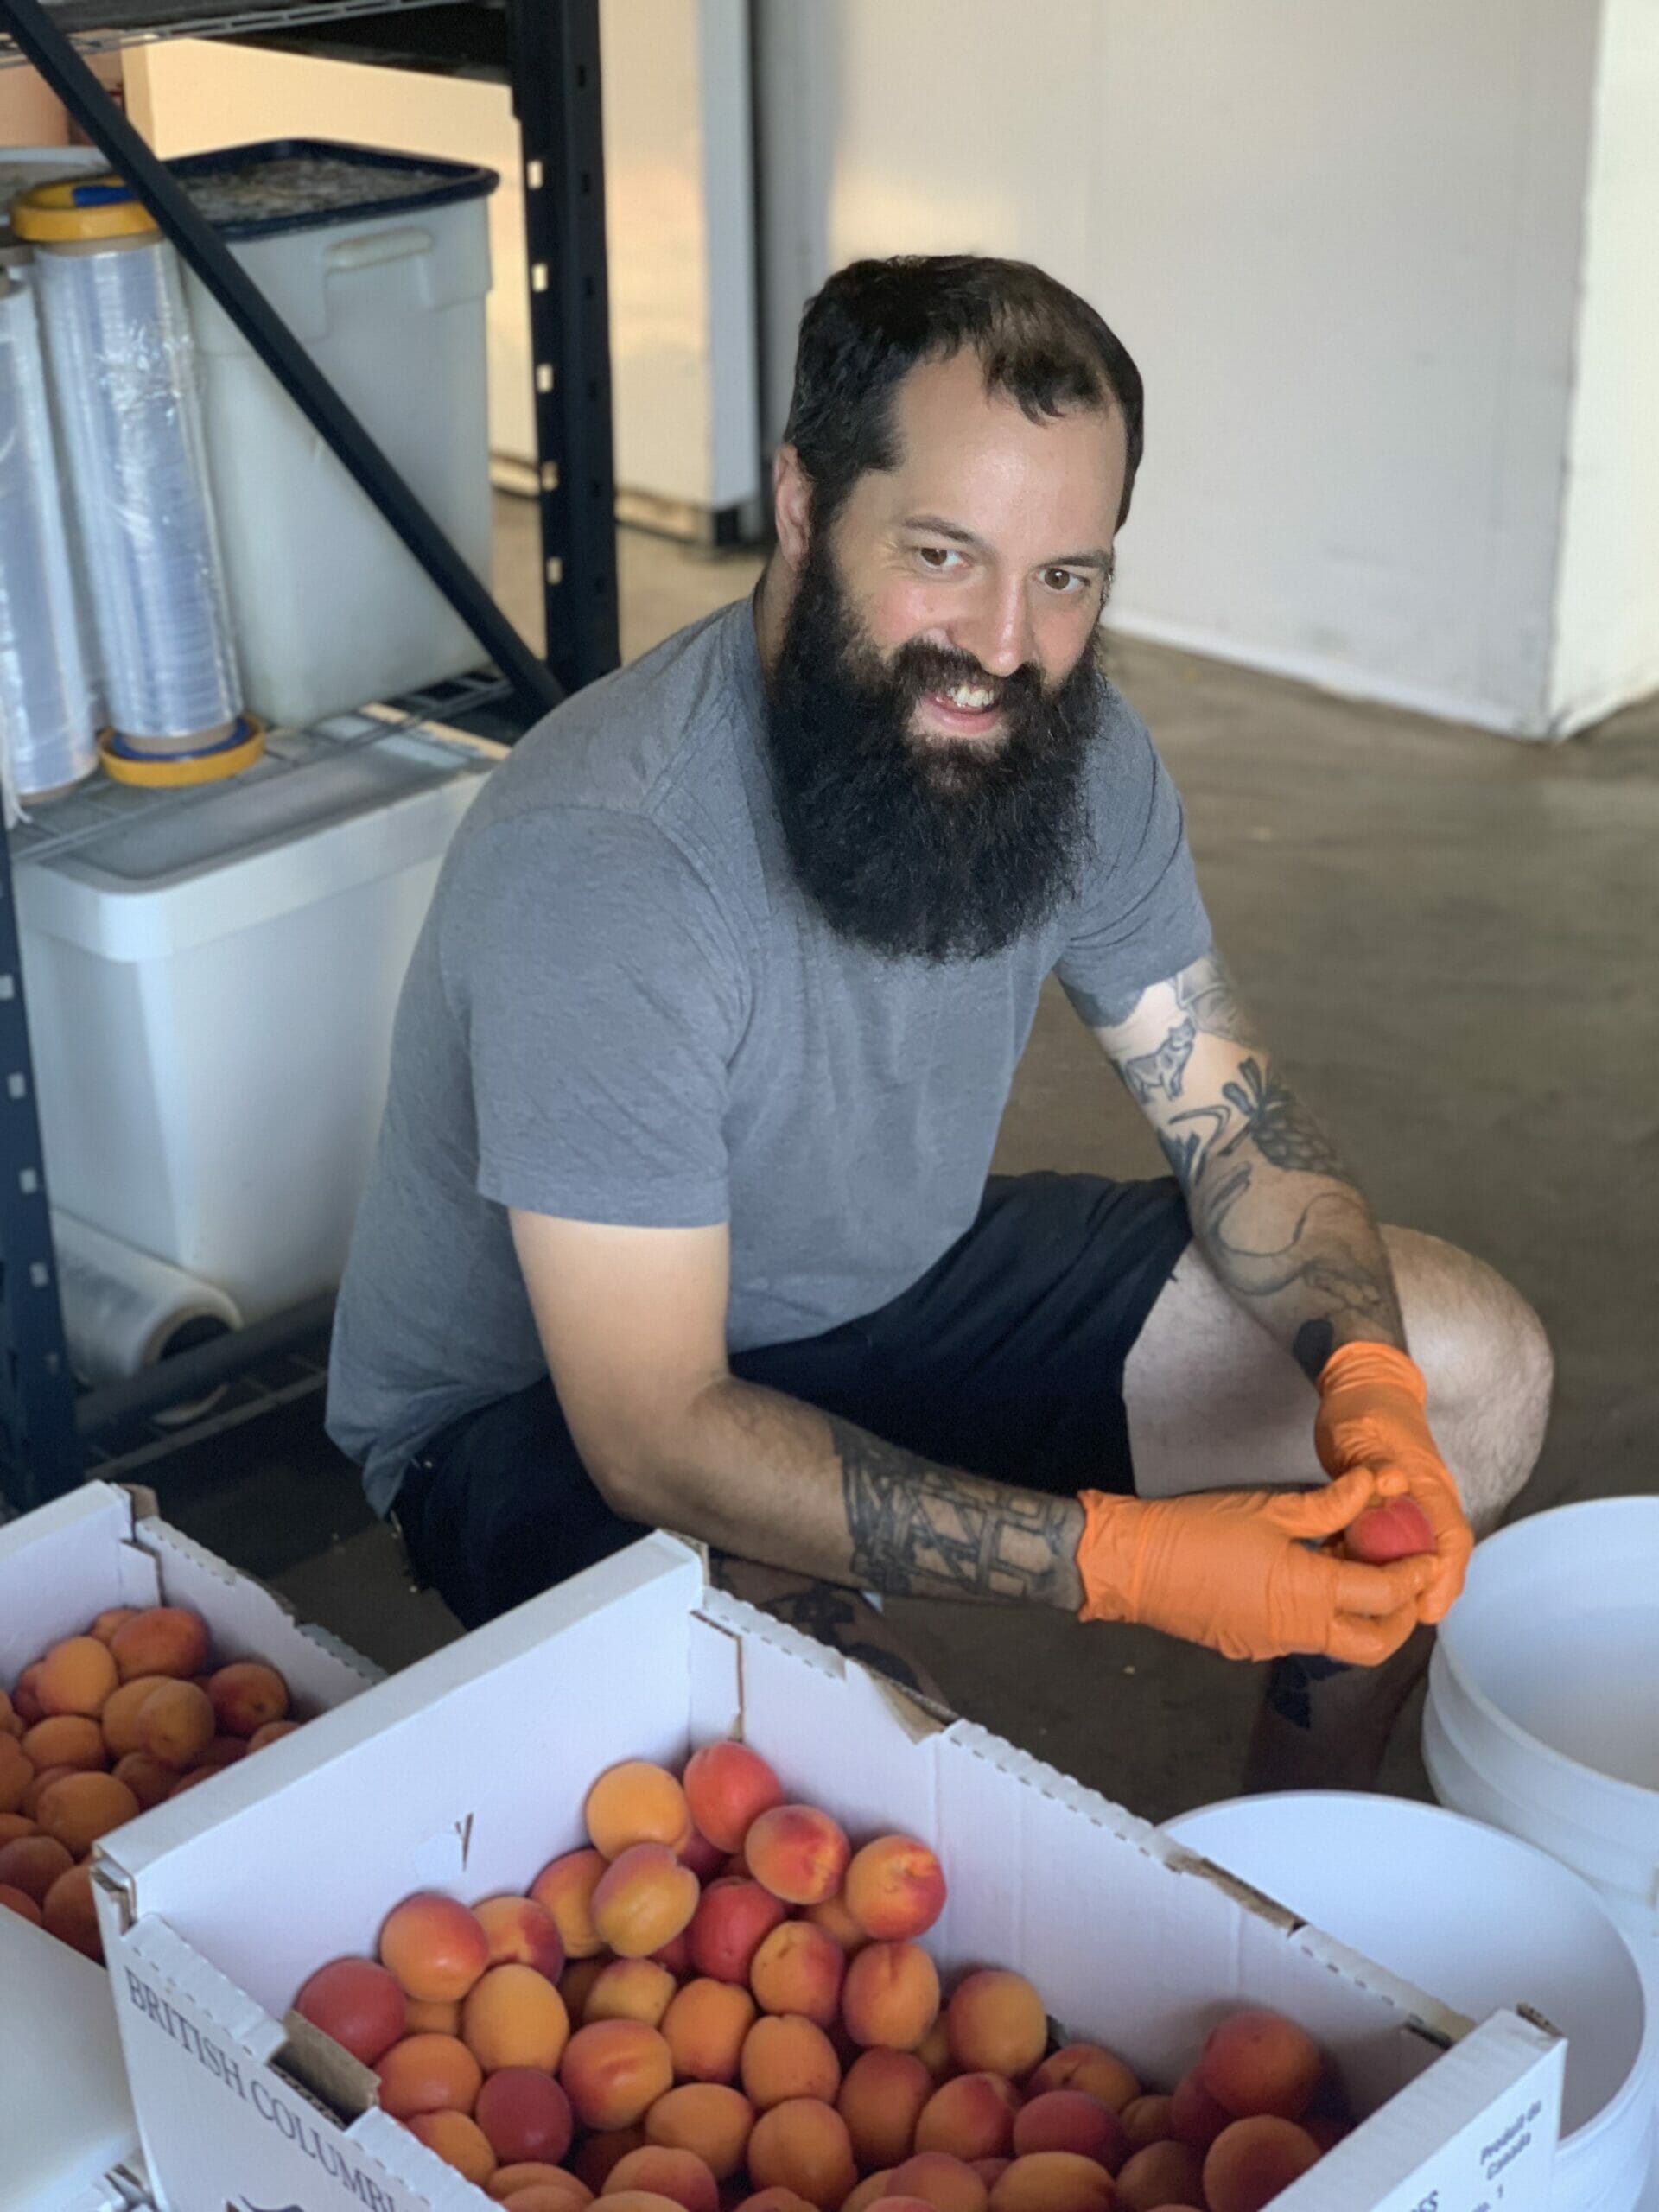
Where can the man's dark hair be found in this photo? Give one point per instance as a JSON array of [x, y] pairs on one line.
[[874, 321]]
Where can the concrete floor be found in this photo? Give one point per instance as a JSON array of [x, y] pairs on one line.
[[1451, 940]]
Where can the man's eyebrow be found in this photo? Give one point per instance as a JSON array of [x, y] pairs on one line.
[[1096, 558]]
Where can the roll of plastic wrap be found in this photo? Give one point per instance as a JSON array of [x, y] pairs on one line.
[[123, 1309], [122, 363], [47, 742]]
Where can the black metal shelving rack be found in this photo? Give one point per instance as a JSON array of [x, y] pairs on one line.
[[549, 53]]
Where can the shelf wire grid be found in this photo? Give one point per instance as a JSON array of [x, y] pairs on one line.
[[108, 26]]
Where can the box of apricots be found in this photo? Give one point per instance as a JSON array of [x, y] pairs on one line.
[[634, 1899], [135, 1668]]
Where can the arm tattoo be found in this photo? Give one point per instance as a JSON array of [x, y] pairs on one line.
[[1284, 1133], [1164, 1070], [921, 1530], [1205, 991]]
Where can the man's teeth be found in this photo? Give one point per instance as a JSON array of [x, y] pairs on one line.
[[970, 695]]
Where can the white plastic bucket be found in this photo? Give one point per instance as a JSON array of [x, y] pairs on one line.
[[1482, 1921], [1543, 1708]]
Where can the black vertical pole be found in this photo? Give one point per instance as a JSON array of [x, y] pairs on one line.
[[40, 1453], [553, 52]]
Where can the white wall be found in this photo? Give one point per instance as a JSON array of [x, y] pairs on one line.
[[1607, 613], [1343, 242]]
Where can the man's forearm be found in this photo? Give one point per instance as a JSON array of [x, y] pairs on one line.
[[1283, 1227], [771, 1479]]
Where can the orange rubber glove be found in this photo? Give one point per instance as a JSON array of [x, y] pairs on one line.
[[1232, 1569], [1371, 1400]]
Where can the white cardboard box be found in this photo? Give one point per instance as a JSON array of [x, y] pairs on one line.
[[66, 2118], [467, 1773]]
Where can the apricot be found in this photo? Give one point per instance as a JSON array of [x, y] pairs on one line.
[[774, 2200], [733, 1918], [891, 1996], [1397, 1529], [576, 1984], [422, 2017], [78, 1809], [896, 2204], [643, 1899], [38, 1788], [67, 1739], [76, 1676], [675, 1954], [70, 1914], [459, 2141], [565, 2193], [785, 2059], [118, 1721], [798, 1969], [427, 2073], [26, 1696], [802, 2145], [997, 2024], [680, 2176], [836, 1921], [1258, 2063], [513, 2016], [894, 1888], [636, 1801], [971, 2117], [247, 1695], [11, 1722], [271, 1733], [705, 2023], [936, 2177], [873, 2188], [21, 1902], [110, 1619], [1070, 2119], [17, 1773], [1160, 2175], [990, 2169], [12, 1825], [32, 1863], [708, 2117], [1146, 2120], [639, 2200], [522, 1933], [161, 1640], [727, 1786], [1194, 2115], [564, 1890], [358, 2003], [436, 1947], [934, 2051], [1251, 2160], [614, 2071], [881, 2099], [798, 1852], [1089, 2067], [630, 1989], [175, 1724], [593, 2159], [526, 2114], [523, 2173], [1054, 2180]]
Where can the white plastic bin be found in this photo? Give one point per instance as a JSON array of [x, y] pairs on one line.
[[1490, 1922], [212, 987], [380, 265]]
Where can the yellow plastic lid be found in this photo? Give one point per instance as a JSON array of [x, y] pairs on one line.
[[80, 211], [177, 771]]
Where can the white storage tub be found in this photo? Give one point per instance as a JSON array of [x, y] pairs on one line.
[[380, 265], [212, 986]]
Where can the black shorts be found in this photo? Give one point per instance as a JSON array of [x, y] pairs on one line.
[[1006, 1360]]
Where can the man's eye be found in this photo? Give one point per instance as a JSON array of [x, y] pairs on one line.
[[936, 556], [1064, 581]]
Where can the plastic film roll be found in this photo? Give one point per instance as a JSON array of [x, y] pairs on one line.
[[122, 364], [124, 1309], [46, 706]]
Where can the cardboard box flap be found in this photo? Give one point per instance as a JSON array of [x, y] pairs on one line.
[[497, 1691], [65, 2115]]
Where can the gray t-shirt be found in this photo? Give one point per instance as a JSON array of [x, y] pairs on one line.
[[623, 1008]]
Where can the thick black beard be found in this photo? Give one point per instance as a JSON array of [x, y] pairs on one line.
[[914, 848]]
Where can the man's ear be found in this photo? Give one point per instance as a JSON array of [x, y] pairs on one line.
[[791, 505]]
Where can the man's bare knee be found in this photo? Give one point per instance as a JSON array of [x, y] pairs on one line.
[[1488, 1364]]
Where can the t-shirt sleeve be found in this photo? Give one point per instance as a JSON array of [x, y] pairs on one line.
[[601, 996], [1140, 919]]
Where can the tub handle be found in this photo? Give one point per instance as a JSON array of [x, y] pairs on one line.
[[377, 247]]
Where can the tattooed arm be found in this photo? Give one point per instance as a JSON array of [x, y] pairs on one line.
[[633, 1321], [1272, 1208]]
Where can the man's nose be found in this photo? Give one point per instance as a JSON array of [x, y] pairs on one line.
[[998, 633]]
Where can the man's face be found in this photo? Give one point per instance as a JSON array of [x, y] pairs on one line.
[[990, 544], [934, 694]]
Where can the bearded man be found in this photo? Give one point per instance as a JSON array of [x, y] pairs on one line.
[[682, 1214]]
